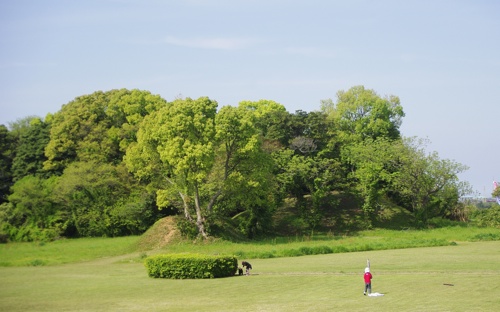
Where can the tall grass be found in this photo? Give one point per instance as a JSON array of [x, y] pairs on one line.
[[379, 239], [85, 249]]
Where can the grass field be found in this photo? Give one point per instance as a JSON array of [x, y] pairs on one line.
[[461, 277], [64, 251]]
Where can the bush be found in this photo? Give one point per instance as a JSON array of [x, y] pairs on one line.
[[487, 217], [187, 229], [485, 237], [181, 266], [292, 253], [322, 250]]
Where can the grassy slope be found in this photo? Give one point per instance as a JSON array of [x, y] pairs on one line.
[[412, 280]]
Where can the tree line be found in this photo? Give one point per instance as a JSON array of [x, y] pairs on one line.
[[112, 163]]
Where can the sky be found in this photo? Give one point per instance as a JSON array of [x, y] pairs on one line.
[[440, 57]]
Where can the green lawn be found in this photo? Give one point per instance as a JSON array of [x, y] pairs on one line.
[[412, 280]]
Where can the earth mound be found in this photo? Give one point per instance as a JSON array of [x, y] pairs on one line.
[[160, 234]]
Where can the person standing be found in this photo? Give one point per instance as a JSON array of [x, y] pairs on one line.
[[368, 281]]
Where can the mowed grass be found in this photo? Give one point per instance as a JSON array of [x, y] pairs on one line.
[[102, 275], [417, 279]]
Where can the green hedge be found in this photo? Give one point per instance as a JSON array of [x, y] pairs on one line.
[[180, 266]]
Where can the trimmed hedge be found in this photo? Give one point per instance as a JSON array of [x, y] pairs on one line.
[[181, 266]]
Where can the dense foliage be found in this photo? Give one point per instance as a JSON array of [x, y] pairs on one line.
[[112, 163], [182, 266]]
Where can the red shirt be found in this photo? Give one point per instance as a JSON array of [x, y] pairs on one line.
[[368, 277]]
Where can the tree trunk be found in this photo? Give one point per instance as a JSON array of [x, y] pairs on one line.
[[186, 207], [200, 221], [201, 229]]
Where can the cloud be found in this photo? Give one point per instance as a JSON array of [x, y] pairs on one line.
[[212, 43]]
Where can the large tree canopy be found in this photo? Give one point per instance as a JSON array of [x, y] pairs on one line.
[[100, 200], [403, 170], [428, 185], [97, 127], [361, 114], [196, 156]]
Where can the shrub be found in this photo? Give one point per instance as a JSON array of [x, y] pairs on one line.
[[322, 250], [187, 228], [4, 238], [485, 237], [36, 262], [306, 251], [292, 253], [340, 249], [488, 217], [181, 266]]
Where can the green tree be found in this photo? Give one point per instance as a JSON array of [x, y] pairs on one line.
[[32, 212], [21, 125], [425, 184], [311, 181], [180, 141], [308, 170], [242, 171], [100, 200], [262, 107], [361, 114], [97, 127], [373, 164], [311, 133], [272, 121], [30, 151], [193, 156], [7, 153]]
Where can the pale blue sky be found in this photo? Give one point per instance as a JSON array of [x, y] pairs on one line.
[[442, 58]]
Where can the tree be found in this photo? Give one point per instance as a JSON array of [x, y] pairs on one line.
[[101, 201], [425, 184], [272, 121], [310, 132], [242, 171], [180, 139], [30, 151], [361, 114], [7, 153], [262, 107], [32, 212], [311, 181], [403, 171], [372, 164], [194, 156], [21, 125], [97, 127]]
